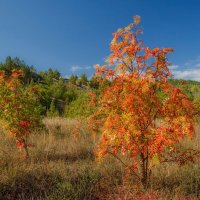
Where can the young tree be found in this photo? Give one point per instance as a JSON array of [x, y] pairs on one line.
[[29, 73], [83, 79], [73, 79], [52, 112], [19, 108], [93, 83], [141, 114]]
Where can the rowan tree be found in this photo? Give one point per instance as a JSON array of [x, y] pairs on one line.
[[140, 113], [19, 108]]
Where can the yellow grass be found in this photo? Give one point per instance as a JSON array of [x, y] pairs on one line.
[[62, 166]]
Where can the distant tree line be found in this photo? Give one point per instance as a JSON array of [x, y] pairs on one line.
[[58, 96], [69, 97]]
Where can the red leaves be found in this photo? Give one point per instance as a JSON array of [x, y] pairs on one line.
[[20, 144], [24, 124], [99, 70], [167, 50], [182, 156], [141, 113], [137, 19], [16, 73], [18, 107], [93, 99], [126, 48], [155, 51]]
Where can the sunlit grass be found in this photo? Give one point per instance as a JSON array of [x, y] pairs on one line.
[[62, 166]]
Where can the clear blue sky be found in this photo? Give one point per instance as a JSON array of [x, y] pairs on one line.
[[73, 35]]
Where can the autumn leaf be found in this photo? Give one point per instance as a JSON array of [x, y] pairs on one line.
[[137, 19], [140, 112]]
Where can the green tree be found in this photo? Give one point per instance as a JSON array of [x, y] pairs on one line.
[[73, 79], [83, 79], [52, 112], [79, 108], [93, 83], [29, 73]]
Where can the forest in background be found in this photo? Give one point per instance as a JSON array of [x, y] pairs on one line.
[[69, 97]]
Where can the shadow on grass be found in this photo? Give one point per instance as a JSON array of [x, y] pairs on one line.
[[76, 184], [65, 157], [31, 185], [84, 155]]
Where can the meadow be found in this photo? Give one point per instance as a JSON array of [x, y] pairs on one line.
[[127, 128], [56, 132], [62, 165]]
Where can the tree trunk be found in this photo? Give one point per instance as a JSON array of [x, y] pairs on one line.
[[145, 170], [26, 151], [26, 155]]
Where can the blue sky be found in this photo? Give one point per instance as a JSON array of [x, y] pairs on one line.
[[73, 35]]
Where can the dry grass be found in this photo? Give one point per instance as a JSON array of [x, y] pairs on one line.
[[62, 166]]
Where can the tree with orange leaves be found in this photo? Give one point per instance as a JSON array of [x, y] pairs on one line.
[[19, 108], [141, 114]]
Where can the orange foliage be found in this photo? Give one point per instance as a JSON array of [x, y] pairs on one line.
[[141, 113], [18, 108]]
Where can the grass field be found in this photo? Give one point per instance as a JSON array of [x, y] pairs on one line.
[[62, 166]]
